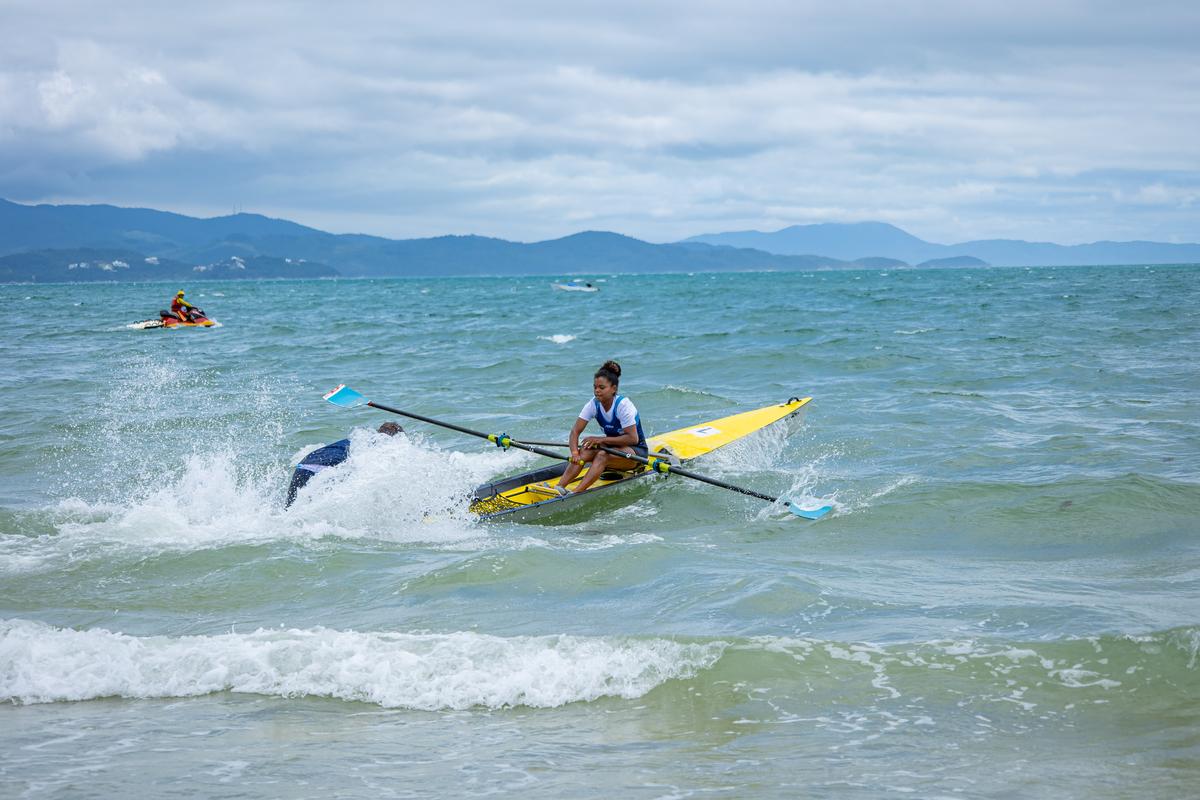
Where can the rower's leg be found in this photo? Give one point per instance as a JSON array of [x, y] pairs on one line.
[[599, 461], [573, 469]]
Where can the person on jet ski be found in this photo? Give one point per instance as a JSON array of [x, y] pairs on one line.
[[182, 309], [325, 457]]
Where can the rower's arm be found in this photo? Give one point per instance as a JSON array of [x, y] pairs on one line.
[[628, 437], [573, 441]]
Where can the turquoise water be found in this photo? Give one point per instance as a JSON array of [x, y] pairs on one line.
[[1005, 601]]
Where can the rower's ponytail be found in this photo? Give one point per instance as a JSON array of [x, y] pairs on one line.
[[611, 372]]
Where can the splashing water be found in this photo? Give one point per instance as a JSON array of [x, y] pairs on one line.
[[396, 489]]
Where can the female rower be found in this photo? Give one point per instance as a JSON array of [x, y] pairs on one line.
[[618, 416]]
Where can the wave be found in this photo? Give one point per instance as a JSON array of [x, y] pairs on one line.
[[1086, 496], [44, 664], [40, 663], [672, 388]]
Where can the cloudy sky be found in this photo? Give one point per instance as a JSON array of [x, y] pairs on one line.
[[1057, 120]]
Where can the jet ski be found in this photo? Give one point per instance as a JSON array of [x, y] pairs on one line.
[[167, 319]]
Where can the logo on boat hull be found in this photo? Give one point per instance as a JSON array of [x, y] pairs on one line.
[[707, 430]]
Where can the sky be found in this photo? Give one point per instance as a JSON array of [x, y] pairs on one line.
[[1058, 120]]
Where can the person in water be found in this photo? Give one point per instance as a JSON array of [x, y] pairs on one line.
[[622, 426], [182, 308], [325, 457]]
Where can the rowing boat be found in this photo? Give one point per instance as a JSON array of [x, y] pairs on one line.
[[521, 498]]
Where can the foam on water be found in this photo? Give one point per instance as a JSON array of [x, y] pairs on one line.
[[41, 663], [401, 489], [398, 489], [762, 452], [1024, 678], [558, 338], [45, 664]]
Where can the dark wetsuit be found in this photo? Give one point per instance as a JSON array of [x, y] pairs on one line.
[[322, 458]]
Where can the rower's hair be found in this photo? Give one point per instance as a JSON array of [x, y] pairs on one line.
[[611, 372]]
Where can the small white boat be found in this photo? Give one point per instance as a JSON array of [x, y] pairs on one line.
[[576, 285]]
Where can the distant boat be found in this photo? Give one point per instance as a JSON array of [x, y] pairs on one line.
[[576, 286]]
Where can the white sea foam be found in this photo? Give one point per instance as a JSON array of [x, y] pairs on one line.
[[399, 489], [687, 390], [603, 542], [870, 499], [558, 338], [44, 664]]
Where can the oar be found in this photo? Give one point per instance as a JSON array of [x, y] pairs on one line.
[[346, 397], [665, 467]]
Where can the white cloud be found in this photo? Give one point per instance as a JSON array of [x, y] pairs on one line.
[[1158, 194], [658, 120]]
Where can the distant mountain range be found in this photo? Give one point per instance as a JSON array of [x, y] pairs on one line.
[[865, 240], [73, 243], [57, 243]]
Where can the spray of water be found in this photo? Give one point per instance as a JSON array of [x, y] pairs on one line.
[[174, 460]]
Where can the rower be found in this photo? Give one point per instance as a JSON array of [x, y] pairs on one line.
[[622, 426], [325, 457]]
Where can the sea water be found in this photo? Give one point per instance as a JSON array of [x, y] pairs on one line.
[[1004, 602]]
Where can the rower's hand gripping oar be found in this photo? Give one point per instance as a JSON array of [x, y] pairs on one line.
[[659, 464], [346, 397]]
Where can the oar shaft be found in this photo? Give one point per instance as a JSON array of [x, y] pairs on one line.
[[722, 484], [661, 465], [508, 441], [666, 467]]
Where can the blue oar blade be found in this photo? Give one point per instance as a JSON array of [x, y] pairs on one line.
[[815, 513], [345, 397]]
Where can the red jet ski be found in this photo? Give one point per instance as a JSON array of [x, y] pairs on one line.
[[167, 319]]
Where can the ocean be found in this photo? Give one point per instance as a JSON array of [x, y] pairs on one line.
[[1003, 603]]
